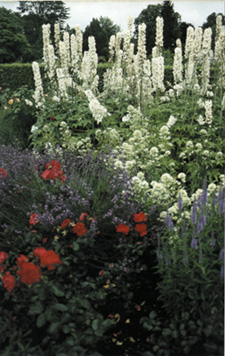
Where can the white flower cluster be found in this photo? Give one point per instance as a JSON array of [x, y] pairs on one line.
[[172, 120], [141, 54], [177, 66], [158, 73], [61, 84], [98, 111], [140, 187], [56, 37], [159, 32], [38, 93], [208, 112]]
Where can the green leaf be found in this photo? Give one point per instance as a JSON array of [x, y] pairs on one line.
[[95, 324], [57, 291], [76, 246], [153, 315], [85, 303], [60, 307], [41, 320], [36, 309], [166, 332], [53, 327]]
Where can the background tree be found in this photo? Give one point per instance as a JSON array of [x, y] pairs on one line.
[[211, 22], [148, 16], [171, 21], [13, 43], [35, 14], [102, 29]]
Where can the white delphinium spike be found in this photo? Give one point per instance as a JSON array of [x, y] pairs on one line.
[[38, 93], [218, 27], [219, 56], [51, 57], [178, 43], [98, 111], [158, 73], [46, 42], [197, 45], [146, 82], [127, 39], [61, 83], [177, 66], [155, 52], [93, 63], [118, 44], [79, 37], [66, 40], [141, 53], [189, 41], [159, 33], [205, 75], [73, 47], [112, 44], [208, 112], [206, 42], [57, 37]]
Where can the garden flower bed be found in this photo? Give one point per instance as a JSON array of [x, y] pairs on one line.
[[112, 220]]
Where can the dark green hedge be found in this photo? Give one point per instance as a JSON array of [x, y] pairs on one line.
[[15, 75]]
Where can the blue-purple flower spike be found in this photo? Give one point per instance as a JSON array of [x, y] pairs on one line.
[[194, 213], [169, 221], [180, 202], [204, 193]]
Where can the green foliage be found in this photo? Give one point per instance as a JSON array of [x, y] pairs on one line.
[[13, 43], [16, 117], [102, 29]]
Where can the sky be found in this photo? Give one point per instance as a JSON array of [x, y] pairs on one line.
[[82, 12]]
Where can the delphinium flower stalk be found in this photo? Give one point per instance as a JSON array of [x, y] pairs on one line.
[[66, 40], [158, 73], [56, 37], [177, 66], [141, 53], [219, 56], [79, 38], [126, 41], [98, 111], [218, 27], [93, 63], [51, 62], [159, 34], [112, 44], [46, 43], [118, 44], [61, 83], [38, 93], [208, 112], [189, 41], [206, 47]]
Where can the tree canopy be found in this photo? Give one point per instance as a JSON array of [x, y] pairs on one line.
[[35, 14], [13, 43], [102, 29]]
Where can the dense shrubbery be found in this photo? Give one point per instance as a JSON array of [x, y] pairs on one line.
[[111, 223]]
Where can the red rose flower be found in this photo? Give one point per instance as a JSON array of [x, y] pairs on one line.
[[33, 219], [82, 216], [29, 273], [140, 217], [22, 259], [79, 229], [48, 259], [9, 281], [3, 174], [65, 223], [52, 118], [141, 228], [123, 228], [3, 256]]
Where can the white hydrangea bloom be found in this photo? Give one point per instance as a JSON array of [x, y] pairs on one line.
[[182, 177]]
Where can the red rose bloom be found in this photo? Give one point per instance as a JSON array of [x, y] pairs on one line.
[[141, 228], [123, 228], [29, 273], [33, 219], [3, 174], [9, 281], [48, 259], [79, 229], [22, 259], [140, 217], [3, 256], [65, 223]]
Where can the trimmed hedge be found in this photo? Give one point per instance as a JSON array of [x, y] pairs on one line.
[[15, 75]]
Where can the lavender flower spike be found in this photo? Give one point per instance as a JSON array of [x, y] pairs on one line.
[[169, 221], [194, 241], [180, 202], [194, 213]]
